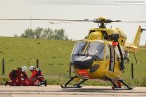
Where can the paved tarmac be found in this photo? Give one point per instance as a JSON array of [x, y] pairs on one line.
[[57, 91]]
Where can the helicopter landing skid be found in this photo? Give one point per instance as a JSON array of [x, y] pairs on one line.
[[121, 88], [71, 79], [62, 86], [116, 87], [127, 87]]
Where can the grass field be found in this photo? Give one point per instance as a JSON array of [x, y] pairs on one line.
[[54, 56]]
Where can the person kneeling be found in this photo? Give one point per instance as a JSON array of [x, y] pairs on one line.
[[37, 76], [19, 77]]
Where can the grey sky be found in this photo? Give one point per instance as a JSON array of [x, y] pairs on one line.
[[43, 9]]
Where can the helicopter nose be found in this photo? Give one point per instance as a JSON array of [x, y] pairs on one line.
[[82, 62]]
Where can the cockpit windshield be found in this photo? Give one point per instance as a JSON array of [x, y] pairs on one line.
[[79, 47], [89, 48]]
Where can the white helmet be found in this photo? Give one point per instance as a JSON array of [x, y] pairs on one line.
[[31, 67], [24, 68]]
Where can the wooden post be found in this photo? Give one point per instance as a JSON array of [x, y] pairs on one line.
[[3, 66], [37, 63], [132, 71]]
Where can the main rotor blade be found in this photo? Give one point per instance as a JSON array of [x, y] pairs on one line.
[[133, 21], [59, 22], [85, 20]]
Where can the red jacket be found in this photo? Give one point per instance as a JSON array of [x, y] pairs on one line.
[[36, 73], [16, 75]]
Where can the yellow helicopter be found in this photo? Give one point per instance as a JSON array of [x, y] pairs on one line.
[[101, 55]]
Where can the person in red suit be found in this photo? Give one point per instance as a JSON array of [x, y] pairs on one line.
[[19, 77], [37, 76]]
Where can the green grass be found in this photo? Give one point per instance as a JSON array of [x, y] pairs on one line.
[[139, 69], [54, 56]]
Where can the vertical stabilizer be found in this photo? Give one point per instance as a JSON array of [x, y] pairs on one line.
[[137, 37], [132, 47]]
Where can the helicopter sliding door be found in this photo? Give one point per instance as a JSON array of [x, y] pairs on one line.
[[112, 59]]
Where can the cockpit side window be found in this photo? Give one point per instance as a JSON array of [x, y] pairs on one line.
[[79, 47], [95, 48], [100, 54]]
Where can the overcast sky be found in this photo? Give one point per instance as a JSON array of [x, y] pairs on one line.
[[44, 9]]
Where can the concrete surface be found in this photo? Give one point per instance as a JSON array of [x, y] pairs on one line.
[[57, 91]]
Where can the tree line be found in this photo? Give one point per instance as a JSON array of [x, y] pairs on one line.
[[47, 33]]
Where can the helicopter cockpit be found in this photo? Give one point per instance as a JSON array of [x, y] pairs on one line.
[[89, 48], [85, 53]]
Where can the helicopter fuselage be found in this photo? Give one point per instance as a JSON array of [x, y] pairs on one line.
[[98, 56], [101, 55]]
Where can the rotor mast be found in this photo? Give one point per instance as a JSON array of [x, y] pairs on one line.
[[102, 21]]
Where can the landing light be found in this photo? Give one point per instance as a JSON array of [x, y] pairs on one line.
[[114, 43], [83, 73]]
